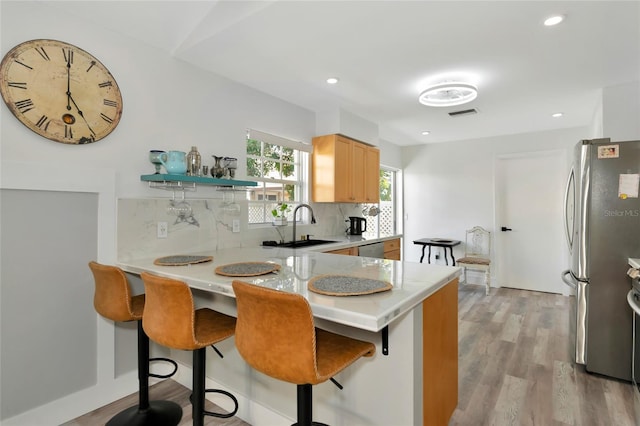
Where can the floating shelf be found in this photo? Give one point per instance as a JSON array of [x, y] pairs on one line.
[[178, 181]]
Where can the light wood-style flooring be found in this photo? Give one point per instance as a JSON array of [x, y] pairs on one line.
[[168, 390], [514, 363]]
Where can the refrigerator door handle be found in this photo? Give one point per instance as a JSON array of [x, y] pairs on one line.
[[631, 300], [569, 281], [569, 232], [577, 316]]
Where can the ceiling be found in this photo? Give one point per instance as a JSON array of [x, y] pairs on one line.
[[385, 52]]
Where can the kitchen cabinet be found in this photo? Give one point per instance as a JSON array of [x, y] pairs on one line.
[[344, 170], [349, 251], [392, 249]]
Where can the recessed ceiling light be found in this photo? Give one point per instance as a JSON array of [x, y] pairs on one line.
[[426, 132], [557, 114], [448, 94], [332, 80], [553, 20]]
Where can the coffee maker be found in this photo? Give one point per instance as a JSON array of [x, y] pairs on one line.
[[358, 225]]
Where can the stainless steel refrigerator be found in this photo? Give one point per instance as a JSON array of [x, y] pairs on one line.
[[602, 222]]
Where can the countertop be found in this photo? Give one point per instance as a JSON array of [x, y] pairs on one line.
[[412, 282], [634, 262]]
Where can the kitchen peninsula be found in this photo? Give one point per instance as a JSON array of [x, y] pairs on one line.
[[416, 383]]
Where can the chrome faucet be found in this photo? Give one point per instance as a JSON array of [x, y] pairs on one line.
[[313, 218]]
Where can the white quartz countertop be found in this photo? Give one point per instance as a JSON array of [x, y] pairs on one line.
[[412, 282], [635, 263]]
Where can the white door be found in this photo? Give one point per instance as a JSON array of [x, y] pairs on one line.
[[529, 202]]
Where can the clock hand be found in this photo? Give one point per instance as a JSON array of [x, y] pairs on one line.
[[69, 83], [80, 113]]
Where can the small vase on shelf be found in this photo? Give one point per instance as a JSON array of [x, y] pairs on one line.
[[193, 162]]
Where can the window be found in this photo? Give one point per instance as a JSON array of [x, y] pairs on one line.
[[384, 222], [279, 166]]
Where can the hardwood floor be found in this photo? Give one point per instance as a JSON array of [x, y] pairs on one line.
[[168, 390], [514, 369], [515, 366]]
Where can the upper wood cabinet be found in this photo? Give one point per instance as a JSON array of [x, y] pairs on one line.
[[344, 170]]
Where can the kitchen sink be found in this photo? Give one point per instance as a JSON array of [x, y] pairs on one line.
[[305, 243]]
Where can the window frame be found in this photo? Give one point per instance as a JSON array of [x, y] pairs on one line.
[[301, 160]]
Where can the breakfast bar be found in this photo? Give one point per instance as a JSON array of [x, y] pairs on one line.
[[416, 321]]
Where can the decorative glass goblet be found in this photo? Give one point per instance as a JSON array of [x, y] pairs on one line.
[[156, 157]]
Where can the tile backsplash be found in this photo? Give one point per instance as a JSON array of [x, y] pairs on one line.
[[207, 224]]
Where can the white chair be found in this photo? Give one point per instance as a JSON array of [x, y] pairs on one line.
[[477, 254]]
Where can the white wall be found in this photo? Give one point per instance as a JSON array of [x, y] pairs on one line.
[[450, 187], [621, 112]]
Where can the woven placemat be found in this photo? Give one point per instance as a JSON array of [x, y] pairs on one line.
[[181, 260], [346, 285], [247, 269]]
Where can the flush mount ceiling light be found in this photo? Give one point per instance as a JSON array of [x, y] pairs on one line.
[[448, 94], [332, 80], [557, 114], [426, 132], [553, 20]]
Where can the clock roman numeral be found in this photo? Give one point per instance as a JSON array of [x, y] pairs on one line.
[[44, 121], [105, 84], [107, 102], [91, 66], [17, 85], [24, 105], [43, 53], [105, 118], [23, 64], [68, 55], [68, 133]]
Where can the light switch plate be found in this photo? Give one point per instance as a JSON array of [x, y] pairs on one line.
[[236, 225]]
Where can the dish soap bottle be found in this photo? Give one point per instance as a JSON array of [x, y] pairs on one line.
[[193, 162]]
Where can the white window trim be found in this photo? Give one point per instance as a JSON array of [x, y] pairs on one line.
[[303, 179]]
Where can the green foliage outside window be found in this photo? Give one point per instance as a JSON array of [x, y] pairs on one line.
[[385, 185], [267, 160], [278, 170]]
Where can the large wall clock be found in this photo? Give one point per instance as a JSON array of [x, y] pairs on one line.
[[60, 91]]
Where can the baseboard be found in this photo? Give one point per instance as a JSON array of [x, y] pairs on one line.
[[87, 400], [76, 404]]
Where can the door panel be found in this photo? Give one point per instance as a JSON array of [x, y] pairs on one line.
[[529, 200]]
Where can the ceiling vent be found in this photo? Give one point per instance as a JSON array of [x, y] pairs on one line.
[[463, 112]]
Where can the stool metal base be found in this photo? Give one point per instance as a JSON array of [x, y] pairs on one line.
[[304, 397], [159, 413]]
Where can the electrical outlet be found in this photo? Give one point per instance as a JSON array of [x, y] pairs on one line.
[[236, 225], [163, 230]]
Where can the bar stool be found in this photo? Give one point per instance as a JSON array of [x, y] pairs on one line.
[[276, 335], [170, 319], [113, 300]]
